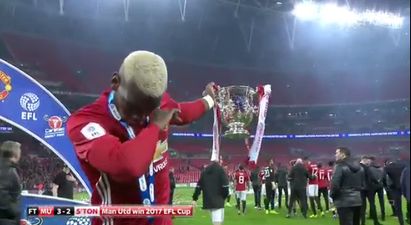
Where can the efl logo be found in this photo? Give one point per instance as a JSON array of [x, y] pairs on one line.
[[5, 85], [30, 102], [56, 126], [32, 221]]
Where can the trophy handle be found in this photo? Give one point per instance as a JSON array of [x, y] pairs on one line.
[[255, 98]]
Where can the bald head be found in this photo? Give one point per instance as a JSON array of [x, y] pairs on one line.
[[299, 161], [145, 71]]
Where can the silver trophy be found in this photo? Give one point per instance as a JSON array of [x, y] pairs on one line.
[[237, 104]]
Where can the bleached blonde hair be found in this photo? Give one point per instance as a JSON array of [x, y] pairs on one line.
[[147, 71]]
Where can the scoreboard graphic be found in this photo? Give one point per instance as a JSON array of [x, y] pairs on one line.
[[112, 211]]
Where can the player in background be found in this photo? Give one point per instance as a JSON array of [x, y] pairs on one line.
[[330, 177], [291, 164], [313, 189], [281, 179], [270, 187], [255, 179], [323, 184], [262, 178], [241, 179], [230, 186]]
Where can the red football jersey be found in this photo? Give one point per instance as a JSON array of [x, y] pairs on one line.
[[113, 163], [241, 180], [313, 170], [322, 178]]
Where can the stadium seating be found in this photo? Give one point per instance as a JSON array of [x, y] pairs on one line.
[[61, 60]]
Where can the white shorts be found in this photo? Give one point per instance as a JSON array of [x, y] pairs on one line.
[[242, 195], [312, 190], [329, 198], [230, 191], [217, 215], [263, 191]]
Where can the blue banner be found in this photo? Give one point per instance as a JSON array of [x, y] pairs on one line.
[[38, 200], [27, 105]]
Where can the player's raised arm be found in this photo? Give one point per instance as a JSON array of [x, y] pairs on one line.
[[194, 110]]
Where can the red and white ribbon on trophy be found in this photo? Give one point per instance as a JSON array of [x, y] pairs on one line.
[[215, 154], [264, 93]]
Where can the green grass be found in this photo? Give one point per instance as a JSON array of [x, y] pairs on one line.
[[81, 196], [253, 217]]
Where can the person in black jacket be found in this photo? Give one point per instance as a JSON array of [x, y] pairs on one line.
[[10, 187], [48, 189], [378, 185], [298, 182], [394, 170], [281, 177], [346, 186], [214, 185], [405, 187], [172, 185], [256, 182], [63, 184], [270, 188], [370, 189], [365, 188], [387, 182]]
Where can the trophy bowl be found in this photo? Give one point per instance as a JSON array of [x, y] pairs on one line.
[[237, 105]]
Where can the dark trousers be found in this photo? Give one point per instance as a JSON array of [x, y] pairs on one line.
[[269, 198], [380, 194], [349, 215], [370, 195], [391, 200], [280, 195], [313, 202], [299, 195], [324, 192], [397, 196], [363, 210], [170, 201], [257, 195], [373, 209]]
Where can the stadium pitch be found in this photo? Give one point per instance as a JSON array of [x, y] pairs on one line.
[[183, 196], [254, 216]]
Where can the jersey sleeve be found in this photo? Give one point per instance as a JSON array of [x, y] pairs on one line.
[[190, 111], [122, 161]]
